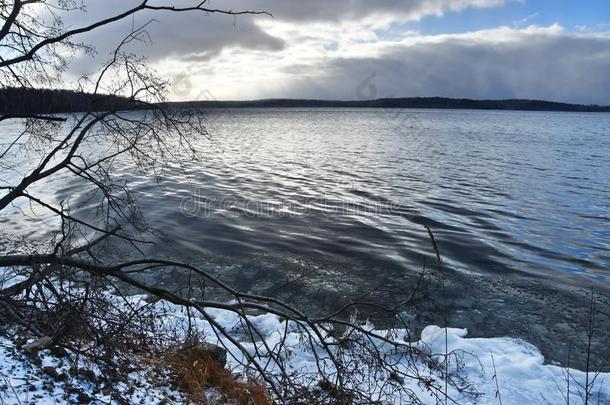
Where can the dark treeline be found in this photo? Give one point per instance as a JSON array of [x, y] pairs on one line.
[[412, 102], [20, 101]]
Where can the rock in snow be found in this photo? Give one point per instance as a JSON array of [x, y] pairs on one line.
[[37, 345]]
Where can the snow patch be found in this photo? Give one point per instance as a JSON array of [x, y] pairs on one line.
[[516, 366]]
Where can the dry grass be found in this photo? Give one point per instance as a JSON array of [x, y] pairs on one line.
[[196, 373]]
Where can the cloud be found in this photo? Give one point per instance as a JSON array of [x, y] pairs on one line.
[[534, 62], [520, 23], [189, 36], [330, 49], [195, 35], [370, 10], [542, 63]]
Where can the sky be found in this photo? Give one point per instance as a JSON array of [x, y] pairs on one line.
[[361, 49]]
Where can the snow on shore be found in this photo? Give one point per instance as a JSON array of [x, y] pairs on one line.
[[522, 376], [519, 366], [515, 366], [50, 381], [521, 373]]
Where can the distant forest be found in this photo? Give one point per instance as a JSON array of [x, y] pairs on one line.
[[410, 102], [20, 101]]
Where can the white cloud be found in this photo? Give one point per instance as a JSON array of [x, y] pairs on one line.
[[533, 62], [327, 48], [195, 35], [521, 23]]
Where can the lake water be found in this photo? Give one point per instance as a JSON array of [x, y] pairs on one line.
[[317, 205], [504, 192]]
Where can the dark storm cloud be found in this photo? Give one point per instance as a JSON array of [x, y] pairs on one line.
[[189, 36], [561, 67]]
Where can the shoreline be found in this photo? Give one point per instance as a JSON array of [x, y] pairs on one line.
[[518, 365], [549, 316]]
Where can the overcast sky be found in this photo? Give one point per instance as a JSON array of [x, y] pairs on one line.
[[357, 49]]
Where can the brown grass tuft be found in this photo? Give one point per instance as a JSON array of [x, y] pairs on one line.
[[196, 373]]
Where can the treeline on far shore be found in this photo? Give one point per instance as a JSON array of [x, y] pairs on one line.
[[409, 102], [21, 101]]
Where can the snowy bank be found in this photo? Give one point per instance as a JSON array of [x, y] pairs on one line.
[[520, 371], [482, 370]]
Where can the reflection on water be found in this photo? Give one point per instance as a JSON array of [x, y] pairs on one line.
[[523, 192]]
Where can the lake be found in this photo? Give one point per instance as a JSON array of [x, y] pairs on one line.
[[319, 205], [504, 192]]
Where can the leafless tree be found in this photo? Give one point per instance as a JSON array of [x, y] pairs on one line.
[[62, 294]]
